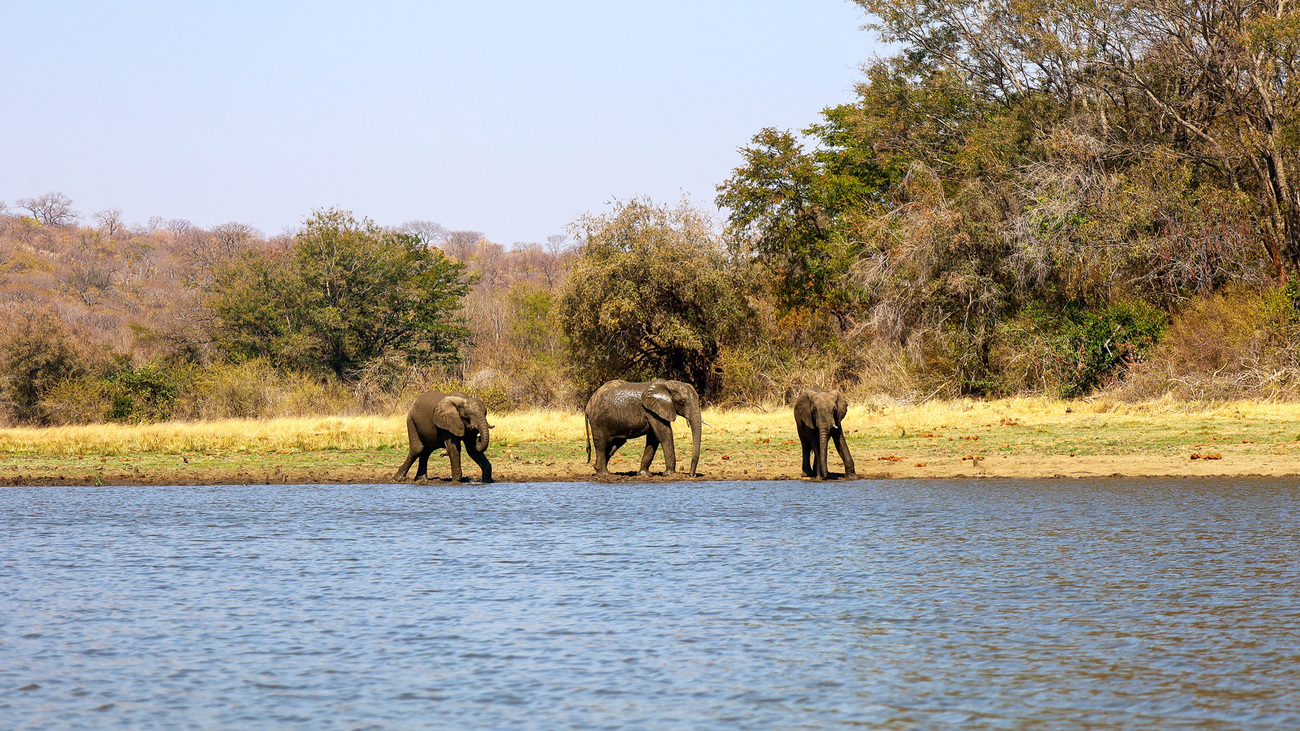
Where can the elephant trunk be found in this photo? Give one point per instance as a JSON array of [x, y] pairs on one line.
[[822, 434], [484, 435], [693, 418]]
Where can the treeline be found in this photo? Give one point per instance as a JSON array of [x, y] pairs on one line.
[[1029, 197], [113, 322]]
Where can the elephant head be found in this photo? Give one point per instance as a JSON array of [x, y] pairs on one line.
[[458, 415], [669, 399]]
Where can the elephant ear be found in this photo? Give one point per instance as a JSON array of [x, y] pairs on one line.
[[841, 407], [803, 408], [658, 400], [449, 414]]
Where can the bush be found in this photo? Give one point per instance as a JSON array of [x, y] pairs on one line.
[[147, 393], [1098, 343], [1236, 344], [38, 351]]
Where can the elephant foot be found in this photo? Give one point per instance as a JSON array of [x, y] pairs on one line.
[[487, 479]]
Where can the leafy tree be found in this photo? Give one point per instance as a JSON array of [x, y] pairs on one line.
[[39, 351], [343, 294], [652, 293], [1215, 81]]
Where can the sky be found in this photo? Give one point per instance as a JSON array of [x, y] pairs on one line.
[[506, 117]]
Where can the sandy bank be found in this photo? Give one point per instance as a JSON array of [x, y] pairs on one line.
[[1014, 438]]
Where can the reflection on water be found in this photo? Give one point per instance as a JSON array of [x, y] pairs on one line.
[[966, 604]]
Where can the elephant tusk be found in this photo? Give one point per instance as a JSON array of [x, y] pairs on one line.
[[702, 421]]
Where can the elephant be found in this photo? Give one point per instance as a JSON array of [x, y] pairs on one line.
[[817, 415], [443, 420], [620, 410]]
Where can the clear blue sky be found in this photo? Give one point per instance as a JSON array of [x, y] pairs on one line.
[[506, 117]]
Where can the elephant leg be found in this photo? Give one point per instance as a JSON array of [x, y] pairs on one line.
[[406, 466], [611, 447], [482, 461], [601, 445], [422, 470], [416, 447], [648, 456], [842, 447], [809, 444], [453, 453], [663, 433]]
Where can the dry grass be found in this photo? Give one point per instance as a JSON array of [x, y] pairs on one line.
[[313, 434]]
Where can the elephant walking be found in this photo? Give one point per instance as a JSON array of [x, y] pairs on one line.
[[817, 415], [620, 410], [444, 420]]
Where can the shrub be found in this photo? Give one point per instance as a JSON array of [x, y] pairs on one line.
[[38, 351], [1236, 344], [1098, 343], [147, 393]]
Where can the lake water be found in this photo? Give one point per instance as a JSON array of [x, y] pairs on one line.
[[1100, 604]]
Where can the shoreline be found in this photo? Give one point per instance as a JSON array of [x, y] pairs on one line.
[[1012, 438]]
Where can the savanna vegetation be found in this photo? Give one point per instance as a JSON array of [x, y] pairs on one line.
[[1058, 199]]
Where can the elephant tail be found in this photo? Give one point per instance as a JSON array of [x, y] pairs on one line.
[[586, 426]]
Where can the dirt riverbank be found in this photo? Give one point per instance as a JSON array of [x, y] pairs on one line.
[[1000, 439]]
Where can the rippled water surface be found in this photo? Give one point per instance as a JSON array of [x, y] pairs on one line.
[[966, 604]]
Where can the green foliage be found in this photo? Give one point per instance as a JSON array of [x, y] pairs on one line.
[[38, 351], [653, 293], [788, 204], [1097, 344], [346, 292], [147, 393], [533, 328]]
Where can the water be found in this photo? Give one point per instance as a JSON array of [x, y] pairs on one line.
[[962, 604]]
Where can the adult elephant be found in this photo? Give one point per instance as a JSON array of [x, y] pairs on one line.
[[818, 414], [621, 410], [445, 420]]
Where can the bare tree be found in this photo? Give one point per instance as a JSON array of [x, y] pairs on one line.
[[461, 244], [229, 239], [555, 244], [429, 233], [206, 249], [51, 209], [110, 221]]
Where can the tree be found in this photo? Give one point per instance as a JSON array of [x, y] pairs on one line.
[[343, 294], [51, 209], [38, 351], [110, 221], [430, 233], [1215, 81], [653, 293]]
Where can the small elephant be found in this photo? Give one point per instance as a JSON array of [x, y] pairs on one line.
[[621, 410], [817, 414], [443, 420]]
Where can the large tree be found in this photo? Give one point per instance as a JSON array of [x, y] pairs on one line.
[[343, 294], [652, 293], [1215, 81]]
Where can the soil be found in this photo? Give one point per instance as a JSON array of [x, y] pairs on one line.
[[746, 467]]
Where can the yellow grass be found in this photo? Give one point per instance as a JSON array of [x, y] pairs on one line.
[[304, 434]]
